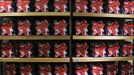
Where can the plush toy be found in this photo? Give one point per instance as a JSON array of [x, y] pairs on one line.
[[99, 50], [114, 6], [128, 7], [82, 70], [127, 49], [23, 5], [45, 70], [60, 27], [10, 69], [41, 5], [26, 70], [25, 50], [6, 50], [97, 70], [7, 28], [24, 27], [98, 28], [96, 6], [128, 29], [60, 5], [42, 27], [5, 6], [81, 27], [112, 69], [113, 28], [113, 49], [60, 50], [81, 5], [60, 70], [81, 49], [44, 49], [126, 68]]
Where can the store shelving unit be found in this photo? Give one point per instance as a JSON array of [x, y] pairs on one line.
[[34, 59]]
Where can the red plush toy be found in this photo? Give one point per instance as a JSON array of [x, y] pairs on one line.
[[41, 5], [97, 70], [113, 50], [126, 69], [44, 49], [112, 69], [42, 27], [128, 29], [82, 70], [81, 5], [81, 49], [5, 6], [60, 70], [128, 7], [99, 50], [60, 50], [127, 49], [81, 27], [10, 69], [60, 5], [7, 28], [6, 50], [97, 6], [60, 27], [26, 70], [114, 6], [98, 28], [23, 5], [113, 28], [24, 27], [45, 70], [25, 50]]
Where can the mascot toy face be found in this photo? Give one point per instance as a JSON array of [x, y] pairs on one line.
[[60, 5], [23, 6], [82, 70], [81, 5], [128, 49], [96, 6], [45, 70], [97, 70], [113, 50], [60, 70], [26, 70], [128, 29], [128, 7]]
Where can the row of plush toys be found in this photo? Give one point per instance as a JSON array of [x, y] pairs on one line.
[[7, 50], [98, 28], [24, 27], [112, 7], [103, 50], [10, 69], [40, 5], [110, 68]]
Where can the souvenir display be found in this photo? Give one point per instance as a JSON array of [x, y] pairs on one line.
[[60, 50], [26, 70], [24, 27], [23, 6], [81, 5], [60, 5], [45, 70], [114, 6], [6, 50], [60, 70], [81, 50], [98, 28], [113, 49], [25, 50], [10, 69], [41, 5], [128, 49], [42, 27], [99, 50], [128, 29], [44, 49], [96, 6], [113, 28], [60, 27], [81, 27], [82, 70], [7, 28]]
